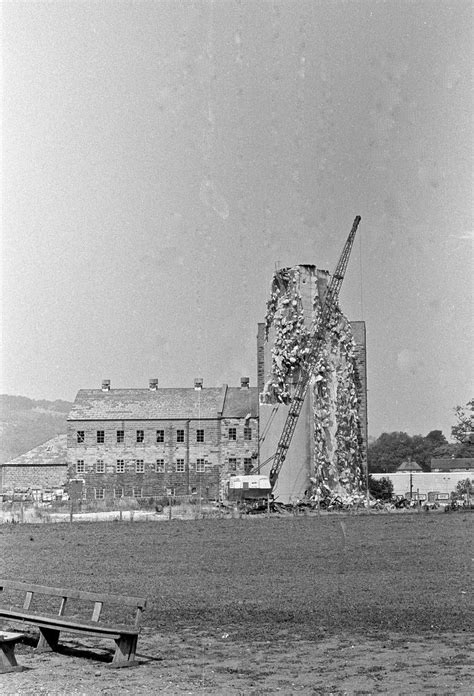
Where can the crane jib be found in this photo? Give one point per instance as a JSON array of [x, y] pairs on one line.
[[317, 336]]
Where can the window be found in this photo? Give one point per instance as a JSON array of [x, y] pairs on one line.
[[200, 465], [160, 466], [232, 464], [139, 466], [118, 492], [199, 435], [100, 466], [120, 436], [180, 436], [140, 435], [232, 433], [80, 467], [137, 492], [248, 466], [180, 468], [80, 436], [194, 490], [100, 437], [99, 493], [120, 466], [247, 433], [160, 435]]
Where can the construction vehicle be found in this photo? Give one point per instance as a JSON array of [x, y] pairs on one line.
[[317, 336]]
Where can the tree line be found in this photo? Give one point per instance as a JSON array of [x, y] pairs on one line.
[[387, 452]]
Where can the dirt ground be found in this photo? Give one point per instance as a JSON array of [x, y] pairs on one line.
[[193, 662]]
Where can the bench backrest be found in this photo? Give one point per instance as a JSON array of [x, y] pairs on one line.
[[139, 603]]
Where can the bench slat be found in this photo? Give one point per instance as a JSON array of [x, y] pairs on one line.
[[73, 594], [27, 602], [65, 624], [96, 612]]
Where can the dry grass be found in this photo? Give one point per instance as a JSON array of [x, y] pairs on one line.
[[299, 576]]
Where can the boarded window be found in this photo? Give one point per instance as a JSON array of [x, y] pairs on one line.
[[232, 464], [80, 436]]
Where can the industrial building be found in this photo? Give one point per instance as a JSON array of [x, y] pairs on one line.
[[443, 478], [328, 450], [161, 441]]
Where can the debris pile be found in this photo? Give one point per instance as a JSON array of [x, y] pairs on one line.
[[337, 451]]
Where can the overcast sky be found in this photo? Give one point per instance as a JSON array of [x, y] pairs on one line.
[[160, 159]]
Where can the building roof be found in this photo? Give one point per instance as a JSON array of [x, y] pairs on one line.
[[165, 403], [409, 466], [52, 452], [449, 464]]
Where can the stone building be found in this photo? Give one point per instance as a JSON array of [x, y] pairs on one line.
[[161, 441], [43, 469]]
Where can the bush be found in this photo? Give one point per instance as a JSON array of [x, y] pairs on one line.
[[381, 489]]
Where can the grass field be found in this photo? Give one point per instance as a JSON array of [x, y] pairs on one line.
[[258, 576]]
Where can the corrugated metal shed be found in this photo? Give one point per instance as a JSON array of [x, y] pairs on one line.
[[50, 453], [164, 403]]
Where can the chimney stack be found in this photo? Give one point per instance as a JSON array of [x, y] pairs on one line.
[[153, 384], [106, 385], [198, 382], [244, 382]]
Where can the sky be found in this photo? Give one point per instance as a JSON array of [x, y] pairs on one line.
[[161, 159]]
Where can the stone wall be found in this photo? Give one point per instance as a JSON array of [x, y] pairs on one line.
[[25, 477]]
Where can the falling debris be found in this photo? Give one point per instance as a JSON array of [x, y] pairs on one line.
[[337, 451]]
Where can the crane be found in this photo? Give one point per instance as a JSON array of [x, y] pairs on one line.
[[317, 334]]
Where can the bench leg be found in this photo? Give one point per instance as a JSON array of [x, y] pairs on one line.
[[48, 640], [8, 661], [125, 650]]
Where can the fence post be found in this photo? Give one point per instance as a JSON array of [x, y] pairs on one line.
[[169, 505]]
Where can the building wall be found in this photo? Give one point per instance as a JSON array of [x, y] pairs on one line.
[[34, 477], [182, 475], [425, 481]]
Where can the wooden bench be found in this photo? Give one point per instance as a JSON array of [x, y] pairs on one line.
[[8, 661], [50, 625]]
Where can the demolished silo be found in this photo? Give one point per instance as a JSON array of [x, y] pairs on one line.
[[327, 453]]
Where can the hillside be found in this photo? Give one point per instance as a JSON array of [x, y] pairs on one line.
[[26, 423]]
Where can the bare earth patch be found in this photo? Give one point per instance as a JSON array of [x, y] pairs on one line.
[[195, 662]]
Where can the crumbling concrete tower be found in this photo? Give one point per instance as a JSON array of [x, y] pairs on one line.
[[328, 450]]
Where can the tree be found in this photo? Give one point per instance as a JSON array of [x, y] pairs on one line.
[[465, 487], [381, 489], [463, 430]]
